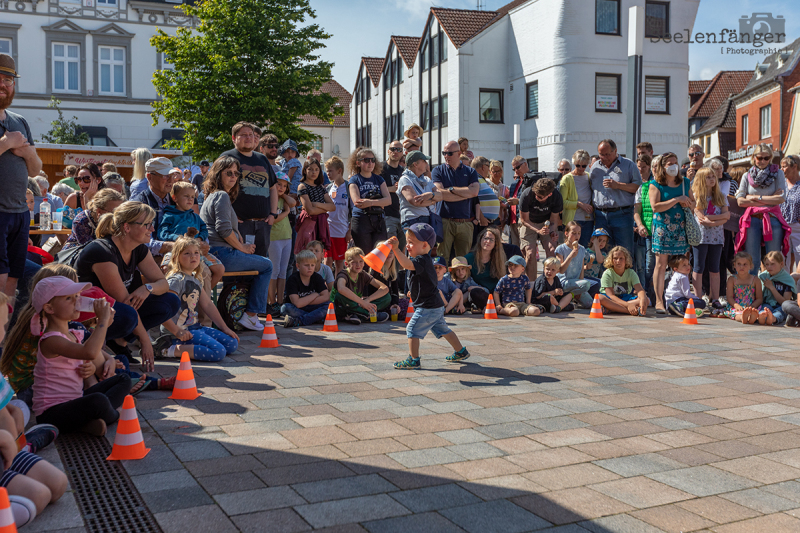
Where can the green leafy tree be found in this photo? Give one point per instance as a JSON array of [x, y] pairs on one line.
[[247, 60], [64, 130]]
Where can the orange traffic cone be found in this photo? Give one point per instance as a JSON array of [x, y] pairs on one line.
[[377, 257], [690, 315], [597, 309], [7, 524], [491, 312], [330, 320], [185, 386], [409, 311], [21, 441], [269, 339], [129, 443]]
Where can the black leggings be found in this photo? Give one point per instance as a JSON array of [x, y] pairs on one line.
[[476, 296], [367, 230], [98, 401]]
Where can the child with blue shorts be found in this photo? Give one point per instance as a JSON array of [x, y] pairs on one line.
[[428, 304]]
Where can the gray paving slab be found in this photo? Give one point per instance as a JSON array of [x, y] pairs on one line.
[[499, 516], [362, 509], [703, 480]]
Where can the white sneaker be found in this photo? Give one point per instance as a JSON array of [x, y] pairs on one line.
[[250, 322], [23, 509]]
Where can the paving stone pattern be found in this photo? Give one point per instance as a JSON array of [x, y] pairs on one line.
[[559, 424]]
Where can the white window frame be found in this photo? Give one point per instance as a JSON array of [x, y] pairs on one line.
[[111, 64], [745, 127], [765, 126], [66, 60], [107, 2]]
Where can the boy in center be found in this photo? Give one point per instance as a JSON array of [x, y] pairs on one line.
[[428, 304]]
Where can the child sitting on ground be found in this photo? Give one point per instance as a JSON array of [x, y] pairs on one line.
[[280, 245], [452, 296], [573, 256], [388, 276], [679, 290], [211, 345], [596, 253], [180, 220], [413, 139], [338, 224], [350, 295], [547, 290], [475, 295], [307, 293], [621, 291], [513, 291], [428, 305], [321, 268], [744, 294], [777, 287], [58, 377]]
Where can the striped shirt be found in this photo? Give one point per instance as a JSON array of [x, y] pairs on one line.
[[490, 203]]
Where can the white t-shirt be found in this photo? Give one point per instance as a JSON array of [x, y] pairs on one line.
[[337, 220]]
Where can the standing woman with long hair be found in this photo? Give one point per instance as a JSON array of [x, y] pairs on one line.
[[369, 194], [669, 194], [139, 180]]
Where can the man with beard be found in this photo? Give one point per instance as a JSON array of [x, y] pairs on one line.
[[268, 146], [18, 160]]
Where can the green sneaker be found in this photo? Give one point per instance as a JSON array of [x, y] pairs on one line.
[[458, 356], [408, 364]]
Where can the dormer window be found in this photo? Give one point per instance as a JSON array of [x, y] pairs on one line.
[[783, 56], [761, 69]]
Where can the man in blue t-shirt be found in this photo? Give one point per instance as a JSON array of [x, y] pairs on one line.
[[458, 184]]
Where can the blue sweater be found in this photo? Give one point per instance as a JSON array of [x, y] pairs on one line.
[[175, 222]]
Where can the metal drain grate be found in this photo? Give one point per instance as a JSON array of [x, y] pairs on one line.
[[106, 496]]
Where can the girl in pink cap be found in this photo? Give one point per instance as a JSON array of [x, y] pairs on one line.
[[63, 362]]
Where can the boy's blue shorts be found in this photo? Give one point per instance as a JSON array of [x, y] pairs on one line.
[[425, 320]]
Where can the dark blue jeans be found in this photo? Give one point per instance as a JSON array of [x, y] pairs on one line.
[[587, 227], [619, 225], [310, 314], [155, 310]]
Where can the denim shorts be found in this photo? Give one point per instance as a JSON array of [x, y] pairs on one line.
[[425, 320]]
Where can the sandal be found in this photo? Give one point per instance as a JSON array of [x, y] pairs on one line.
[[141, 384], [408, 363]]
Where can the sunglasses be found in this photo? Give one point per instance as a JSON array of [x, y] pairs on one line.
[[367, 160], [84, 179], [763, 158], [447, 154], [271, 145], [518, 166], [581, 166], [234, 173], [395, 149], [692, 154]]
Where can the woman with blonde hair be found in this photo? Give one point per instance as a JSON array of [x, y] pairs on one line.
[[85, 224], [487, 259], [116, 262], [711, 213], [139, 181], [577, 195]]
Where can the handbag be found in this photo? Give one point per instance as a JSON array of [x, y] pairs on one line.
[[436, 219], [693, 233]]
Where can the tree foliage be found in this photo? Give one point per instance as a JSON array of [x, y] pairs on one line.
[[64, 130], [252, 60]]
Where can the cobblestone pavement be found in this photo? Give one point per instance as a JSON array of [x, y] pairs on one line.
[[554, 424]]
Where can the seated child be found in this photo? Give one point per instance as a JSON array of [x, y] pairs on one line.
[[351, 296], [744, 294], [620, 289], [413, 139], [452, 297], [573, 256], [58, 377], [679, 290], [180, 220], [208, 344], [475, 295], [547, 290], [596, 254], [322, 269], [280, 245], [428, 305], [307, 293], [388, 276], [513, 291], [777, 287]]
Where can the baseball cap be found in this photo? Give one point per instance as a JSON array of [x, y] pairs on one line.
[[282, 176], [160, 165], [205, 163], [600, 231], [517, 260], [47, 289], [423, 232], [439, 260], [415, 156]]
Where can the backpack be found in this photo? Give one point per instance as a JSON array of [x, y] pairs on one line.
[[70, 257]]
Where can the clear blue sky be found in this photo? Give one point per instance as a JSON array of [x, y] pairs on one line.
[[362, 28]]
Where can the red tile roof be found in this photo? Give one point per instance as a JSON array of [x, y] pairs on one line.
[[724, 84], [723, 117], [461, 25], [374, 68], [343, 97], [698, 86], [407, 47]]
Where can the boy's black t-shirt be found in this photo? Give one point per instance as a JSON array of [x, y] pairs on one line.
[[424, 285], [295, 285], [542, 285]]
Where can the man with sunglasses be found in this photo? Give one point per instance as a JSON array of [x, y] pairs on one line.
[[696, 156], [391, 172], [615, 180], [458, 185], [268, 146], [18, 160], [520, 166]]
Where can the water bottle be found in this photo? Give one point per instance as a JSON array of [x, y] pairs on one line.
[[44, 215]]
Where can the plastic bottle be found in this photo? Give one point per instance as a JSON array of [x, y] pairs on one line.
[[44, 215]]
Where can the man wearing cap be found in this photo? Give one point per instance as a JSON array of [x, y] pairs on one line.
[[156, 195], [416, 191], [257, 202], [197, 179], [18, 160], [458, 184]]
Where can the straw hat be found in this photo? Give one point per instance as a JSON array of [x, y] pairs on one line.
[[459, 262], [411, 127]]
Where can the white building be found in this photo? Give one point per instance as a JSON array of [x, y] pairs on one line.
[[95, 56], [334, 139], [556, 67]]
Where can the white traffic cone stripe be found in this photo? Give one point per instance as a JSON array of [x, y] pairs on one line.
[[186, 365], [6, 517], [269, 337], [185, 384], [128, 414], [128, 439]]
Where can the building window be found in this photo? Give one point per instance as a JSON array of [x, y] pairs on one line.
[[107, 2], [317, 144], [443, 46], [443, 112], [708, 144], [98, 135], [112, 70], [533, 164], [532, 100], [606, 92], [656, 95], [490, 102], [426, 115], [66, 58], [423, 55], [766, 121], [5, 46], [435, 113], [435, 50], [656, 19], [607, 17], [364, 136], [745, 125], [400, 126]]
